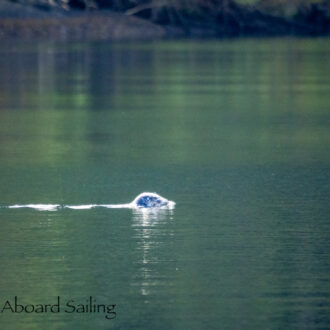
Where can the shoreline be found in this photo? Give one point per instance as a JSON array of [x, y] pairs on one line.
[[28, 23]]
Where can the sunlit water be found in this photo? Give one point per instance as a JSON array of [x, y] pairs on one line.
[[235, 132]]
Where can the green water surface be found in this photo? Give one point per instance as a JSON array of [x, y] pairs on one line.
[[236, 132]]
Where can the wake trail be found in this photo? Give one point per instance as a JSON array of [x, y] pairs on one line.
[[143, 201], [55, 207]]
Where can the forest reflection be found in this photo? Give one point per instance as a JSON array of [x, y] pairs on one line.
[[106, 100]]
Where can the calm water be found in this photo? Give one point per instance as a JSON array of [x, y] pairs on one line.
[[236, 132]]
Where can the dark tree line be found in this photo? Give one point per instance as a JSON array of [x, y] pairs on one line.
[[269, 16]]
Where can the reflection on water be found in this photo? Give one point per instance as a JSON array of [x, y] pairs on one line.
[[151, 217], [149, 226]]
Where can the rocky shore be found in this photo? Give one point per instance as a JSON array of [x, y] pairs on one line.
[[18, 21]]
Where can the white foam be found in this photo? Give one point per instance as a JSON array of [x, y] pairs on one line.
[[90, 206], [80, 207], [39, 207], [116, 206], [54, 207]]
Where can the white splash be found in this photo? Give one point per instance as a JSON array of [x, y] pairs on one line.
[[145, 200]]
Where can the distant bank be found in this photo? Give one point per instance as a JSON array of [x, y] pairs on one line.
[[18, 21], [24, 22]]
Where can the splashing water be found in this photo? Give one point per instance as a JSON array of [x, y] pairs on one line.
[[145, 200]]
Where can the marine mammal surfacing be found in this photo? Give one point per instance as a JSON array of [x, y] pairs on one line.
[[152, 200]]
